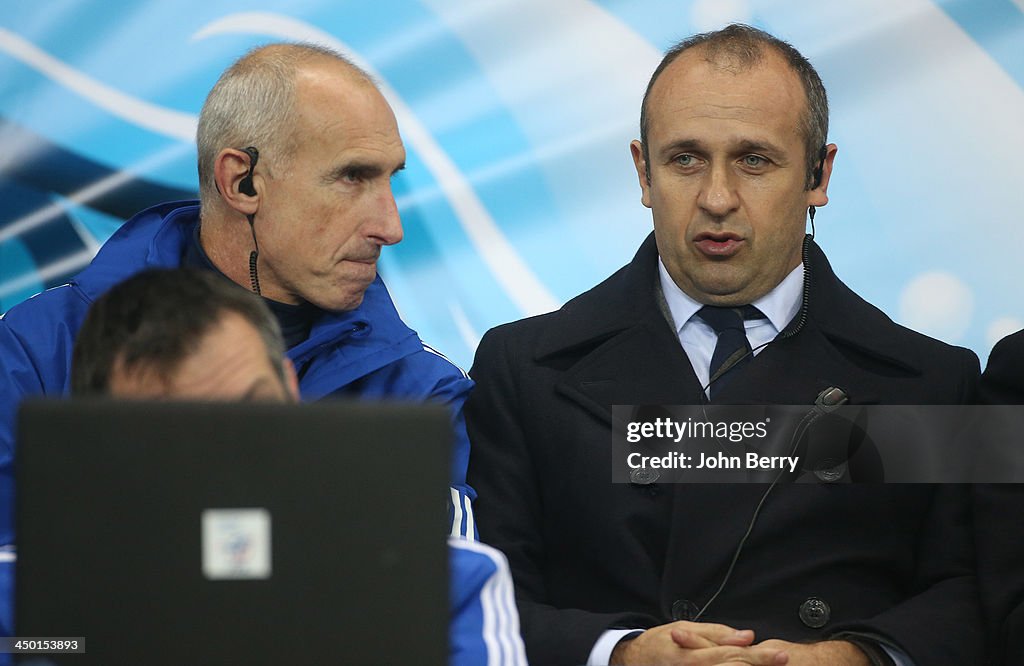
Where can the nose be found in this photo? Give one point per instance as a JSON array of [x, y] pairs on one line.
[[718, 195], [387, 225]]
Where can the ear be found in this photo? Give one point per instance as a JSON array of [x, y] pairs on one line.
[[229, 168], [291, 380], [819, 195], [637, 150]]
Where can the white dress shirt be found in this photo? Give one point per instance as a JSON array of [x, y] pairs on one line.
[[698, 339]]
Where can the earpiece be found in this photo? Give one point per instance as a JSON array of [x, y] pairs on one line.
[[245, 186], [818, 170]]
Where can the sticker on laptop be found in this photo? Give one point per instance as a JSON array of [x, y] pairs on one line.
[[236, 544]]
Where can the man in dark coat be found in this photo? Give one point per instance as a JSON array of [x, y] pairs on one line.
[[731, 158], [999, 515], [1003, 380]]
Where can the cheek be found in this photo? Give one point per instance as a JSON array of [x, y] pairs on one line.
[[341, 230], [673, 211]]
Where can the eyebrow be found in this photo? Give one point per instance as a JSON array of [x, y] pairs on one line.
[[364, 169], [256, 391], [747, 146], [743, 146], [683, 144], [360, 168]]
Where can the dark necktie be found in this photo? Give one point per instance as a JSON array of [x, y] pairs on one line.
[[732, 351]]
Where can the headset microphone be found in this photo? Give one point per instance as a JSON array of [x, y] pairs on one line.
[[827, 402], [254, 278], [245, 186], [819, 171]]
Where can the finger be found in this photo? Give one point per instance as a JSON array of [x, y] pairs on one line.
[[783, 659], [691, 640], [719, 634], [748, 656]]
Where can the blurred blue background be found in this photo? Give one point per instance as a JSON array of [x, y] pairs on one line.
[[517, 115]]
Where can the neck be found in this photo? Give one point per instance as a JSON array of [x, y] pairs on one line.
[[228, 251]]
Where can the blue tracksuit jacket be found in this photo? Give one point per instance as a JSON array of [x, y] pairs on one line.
[[367, 353]]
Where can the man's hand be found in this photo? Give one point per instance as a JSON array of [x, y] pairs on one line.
[[840, 653], [695, 644]]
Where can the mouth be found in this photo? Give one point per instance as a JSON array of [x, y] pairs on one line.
[[718, 244], [369, 261]]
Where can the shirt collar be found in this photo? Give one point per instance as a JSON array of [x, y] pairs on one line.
[[780, 304]]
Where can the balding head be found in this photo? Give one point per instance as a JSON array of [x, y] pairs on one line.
[[738, 48], [253, 103]]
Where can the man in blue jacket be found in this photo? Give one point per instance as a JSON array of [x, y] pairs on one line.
[[296, 148], [185, 334]]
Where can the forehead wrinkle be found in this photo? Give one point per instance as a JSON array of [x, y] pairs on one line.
[[754, 132], [213, 362], [691, 103], [688, 76], [735, 143], [678, 116]]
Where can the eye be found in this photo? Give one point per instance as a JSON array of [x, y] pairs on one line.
[[754, 161], [352, 175], [686, 160]]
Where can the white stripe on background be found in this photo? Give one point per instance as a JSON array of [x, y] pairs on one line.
[[167, 122]]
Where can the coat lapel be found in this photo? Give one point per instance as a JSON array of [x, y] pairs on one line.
[[621, 350], [618, 345], [642, 365]]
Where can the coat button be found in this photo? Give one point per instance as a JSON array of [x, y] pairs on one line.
[[684, 609], [815, 613], [642, 476], [831, 471]]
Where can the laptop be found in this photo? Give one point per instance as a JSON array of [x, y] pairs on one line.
[[176, 533]]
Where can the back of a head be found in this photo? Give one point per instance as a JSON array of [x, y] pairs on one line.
[[252, 104], [156, 319]]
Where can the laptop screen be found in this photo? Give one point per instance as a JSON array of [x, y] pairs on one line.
[[172, 533]]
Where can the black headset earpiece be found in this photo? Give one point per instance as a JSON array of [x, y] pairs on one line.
[[818, 170], [245, 185]]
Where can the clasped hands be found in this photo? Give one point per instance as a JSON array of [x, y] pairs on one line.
[[704, 644]]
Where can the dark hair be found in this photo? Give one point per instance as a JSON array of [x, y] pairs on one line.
[[743, 46], [156, 319]]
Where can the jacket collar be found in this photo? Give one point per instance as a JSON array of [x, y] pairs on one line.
[[629, 296], [846, 318], [614, 305], [373, 334], [154, 238]]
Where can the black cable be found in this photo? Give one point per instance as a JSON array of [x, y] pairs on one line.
[[798, 434], [254, 278]]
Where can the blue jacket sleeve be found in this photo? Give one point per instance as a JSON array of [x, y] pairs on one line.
[[36, 339], [452, 388], [428, 376], [484, 623]]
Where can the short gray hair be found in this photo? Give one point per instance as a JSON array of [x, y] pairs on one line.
[[743, 46], [253, 104]]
